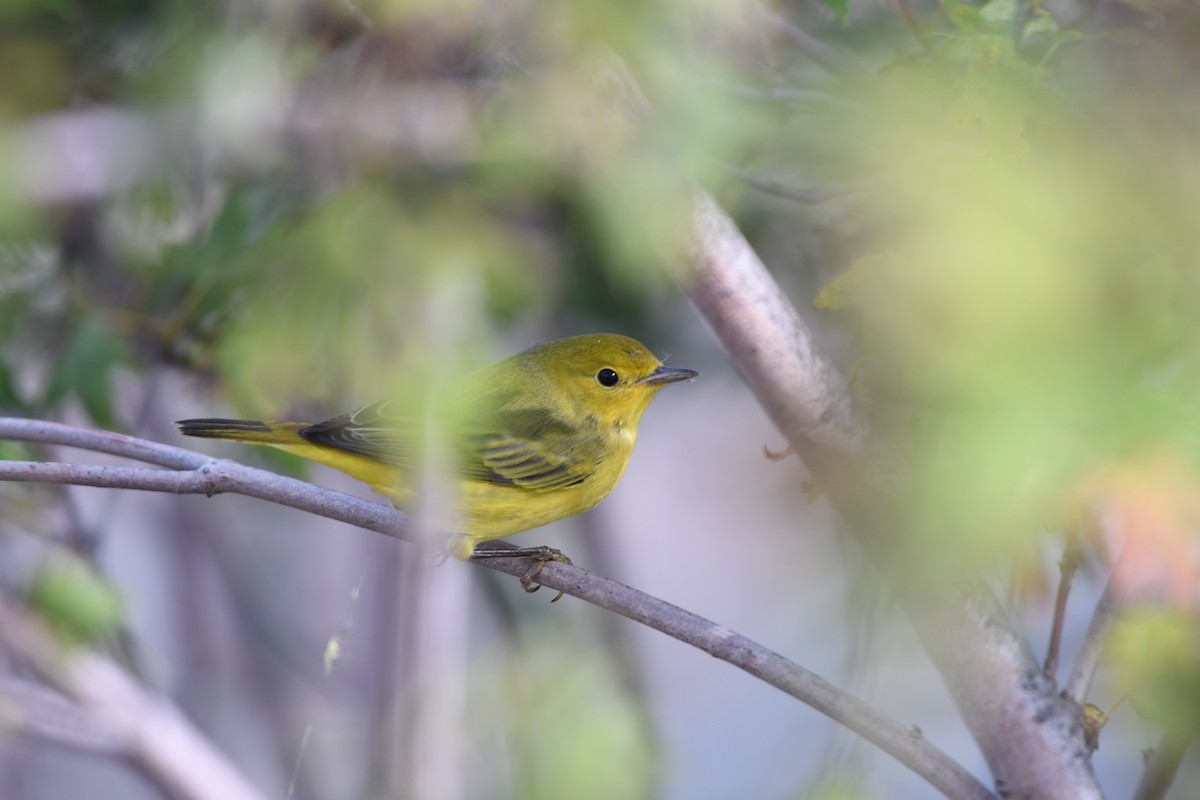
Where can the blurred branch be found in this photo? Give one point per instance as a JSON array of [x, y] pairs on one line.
[[1162, 765], [801, 194], [769, 342], [808, 45], [198, 474], [1067, 567], [30, 708], [89, 154], [144, 727], [1030, 736], [1088, 657]]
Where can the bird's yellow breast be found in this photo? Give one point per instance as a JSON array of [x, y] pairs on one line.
[[486, 510]]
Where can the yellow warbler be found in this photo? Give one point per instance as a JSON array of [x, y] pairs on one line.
[[536, 437]]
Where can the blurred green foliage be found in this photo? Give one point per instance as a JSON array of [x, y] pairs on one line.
[[78, 603], [1155, 654], [1019, 252], [304, 210], [572, 731], [1025, 300], [296, 272]]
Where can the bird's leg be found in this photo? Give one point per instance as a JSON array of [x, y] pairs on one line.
[[540, 556]]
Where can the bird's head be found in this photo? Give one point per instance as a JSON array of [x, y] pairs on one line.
[[609, 377]]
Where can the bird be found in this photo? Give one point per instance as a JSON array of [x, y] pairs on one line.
[[537, 437]]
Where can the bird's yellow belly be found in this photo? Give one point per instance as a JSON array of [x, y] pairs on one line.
[[486, 510], [489, 510]]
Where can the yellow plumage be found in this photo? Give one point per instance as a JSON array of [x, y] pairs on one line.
[[536, 437]]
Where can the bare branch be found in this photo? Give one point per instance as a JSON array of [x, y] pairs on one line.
[[218, 476], [31, 708], [153, 732], [115, 444], [1067, 566], [1088, 658], [769, 342], [905, 744], [213, 476], [1030, 736]]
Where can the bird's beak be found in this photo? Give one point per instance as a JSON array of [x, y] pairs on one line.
[[664, 375]]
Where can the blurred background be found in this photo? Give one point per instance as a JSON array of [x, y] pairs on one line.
[[270, 209]]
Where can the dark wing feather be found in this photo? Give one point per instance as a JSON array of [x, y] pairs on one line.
[[533, 449], [370, 431], [530, 448]]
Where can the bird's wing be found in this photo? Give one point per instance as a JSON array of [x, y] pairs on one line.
[[370, 431], [530, 448]]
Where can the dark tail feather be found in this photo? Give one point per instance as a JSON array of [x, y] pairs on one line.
[[225, 428]]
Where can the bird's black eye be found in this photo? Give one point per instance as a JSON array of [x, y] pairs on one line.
[[607, 377]]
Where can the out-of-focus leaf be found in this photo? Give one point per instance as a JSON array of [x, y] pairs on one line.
[[353, 288], [216, 254], [839, 9], [85, 369], [999, 10], [1155, 8], [1155, 656], [9, 397], [15, 451], [963, 16], [567, 720], [77, 602]]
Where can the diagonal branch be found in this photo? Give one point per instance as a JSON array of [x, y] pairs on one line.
[[769, 342], [213, 476], [116, 714], [1031, 737], [1088, 656], [1163, 764]]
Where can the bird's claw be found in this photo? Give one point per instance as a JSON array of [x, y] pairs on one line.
[[544, 554], [540, 556]]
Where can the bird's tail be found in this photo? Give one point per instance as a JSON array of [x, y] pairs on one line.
[[244, 430], [381, 476]]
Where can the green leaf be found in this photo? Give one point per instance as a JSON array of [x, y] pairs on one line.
[[999, 11], [76, 601], [839, 9], [964, 17], [15, 451], [1153, 653], [9, 398], [85, 369]]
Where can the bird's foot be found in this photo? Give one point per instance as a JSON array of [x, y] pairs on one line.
[[540, 556]]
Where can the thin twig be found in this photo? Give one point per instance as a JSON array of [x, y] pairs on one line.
[[911, 21], [801, 194], [212, 476], [1067, 568], [1088, 657]]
